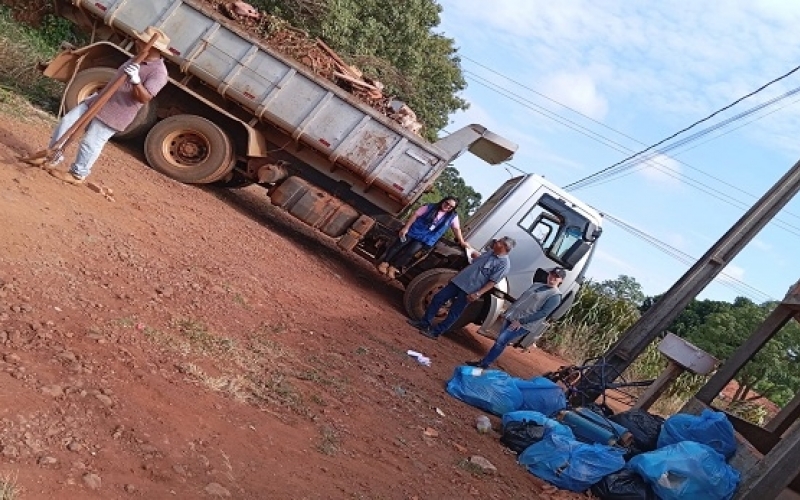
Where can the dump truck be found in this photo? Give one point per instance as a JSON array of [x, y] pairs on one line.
[[236, 111]]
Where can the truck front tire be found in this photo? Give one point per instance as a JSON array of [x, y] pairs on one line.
[[92, 80], [190, 149], [421, 290]]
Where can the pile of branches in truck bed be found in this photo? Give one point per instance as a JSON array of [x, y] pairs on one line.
[[278, 34]]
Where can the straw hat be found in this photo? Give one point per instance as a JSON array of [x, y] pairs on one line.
[[161, 44]]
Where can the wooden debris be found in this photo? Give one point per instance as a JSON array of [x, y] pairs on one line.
[[246, 10], [356, 81], [430, 432], [320, 58], [107, 193]]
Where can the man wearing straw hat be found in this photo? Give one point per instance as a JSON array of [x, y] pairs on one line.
[[144, 81]]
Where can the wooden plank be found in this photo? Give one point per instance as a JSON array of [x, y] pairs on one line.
[[339, 61], [786, 417], [773, 472], [356, 81]]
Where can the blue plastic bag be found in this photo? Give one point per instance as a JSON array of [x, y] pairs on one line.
[[542, 395], [711, 428], [490, 390], [549, 424], [687, 471], [569, 464]]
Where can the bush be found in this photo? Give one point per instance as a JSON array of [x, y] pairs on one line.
[[593, 323], [21, 48]]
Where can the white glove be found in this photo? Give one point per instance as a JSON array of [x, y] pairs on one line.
[[132, 70]]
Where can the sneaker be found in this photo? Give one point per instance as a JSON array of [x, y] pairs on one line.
[[428, 333], [383, 267], [418, 323], [476, 364], [67, 177]]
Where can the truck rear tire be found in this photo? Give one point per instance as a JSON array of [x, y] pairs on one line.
[[92, 80], [424, 286], [190, 149]]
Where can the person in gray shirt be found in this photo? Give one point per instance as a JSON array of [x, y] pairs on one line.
[[143, 82], [526, 314], [467, 286]]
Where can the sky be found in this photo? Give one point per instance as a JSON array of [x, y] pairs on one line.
[[582, 85]]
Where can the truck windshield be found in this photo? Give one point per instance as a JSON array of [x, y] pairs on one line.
[[556, 227]]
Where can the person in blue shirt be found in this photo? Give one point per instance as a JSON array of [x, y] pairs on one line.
[[526, 314], [422, 230], [488, 269]]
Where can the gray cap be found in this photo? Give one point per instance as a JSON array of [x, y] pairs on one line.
[[559, 271], [509, 242]]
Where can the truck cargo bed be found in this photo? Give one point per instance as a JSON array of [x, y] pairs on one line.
[[283, 93]]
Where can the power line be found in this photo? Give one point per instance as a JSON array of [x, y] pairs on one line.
[[587, 117], [508, 94], [725, 279], [640, 157], [698, 122], [554, 101], [650, 158]]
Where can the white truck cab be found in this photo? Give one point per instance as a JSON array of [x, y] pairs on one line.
[[551, 228]]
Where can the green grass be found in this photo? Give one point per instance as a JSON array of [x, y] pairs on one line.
[[21, 48]]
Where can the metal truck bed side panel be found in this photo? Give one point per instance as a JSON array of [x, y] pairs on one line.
[[282, 93]]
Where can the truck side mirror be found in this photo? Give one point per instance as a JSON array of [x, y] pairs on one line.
[[592, 232]]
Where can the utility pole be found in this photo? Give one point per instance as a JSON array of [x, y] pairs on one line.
[[656, 319]]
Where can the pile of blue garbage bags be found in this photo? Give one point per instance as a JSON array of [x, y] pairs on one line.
[[683, 457]]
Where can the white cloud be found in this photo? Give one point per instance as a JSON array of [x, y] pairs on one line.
[[639, 71], [681, 58], [578, 91], [662, 171], [734, 271]]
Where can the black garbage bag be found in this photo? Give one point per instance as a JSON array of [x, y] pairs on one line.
[[519, 435], [623, 485], [644, 427]]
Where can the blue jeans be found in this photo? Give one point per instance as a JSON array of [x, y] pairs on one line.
[[96, 136], [505, 337], [457, 306]]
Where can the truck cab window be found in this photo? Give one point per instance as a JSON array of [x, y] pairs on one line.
[[542, 225], [559, 229], [568, 238]]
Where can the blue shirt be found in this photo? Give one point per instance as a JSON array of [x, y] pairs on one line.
[[487, 267]]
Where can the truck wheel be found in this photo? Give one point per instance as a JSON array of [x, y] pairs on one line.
[[189, 149], [421, 290], [92, 80]]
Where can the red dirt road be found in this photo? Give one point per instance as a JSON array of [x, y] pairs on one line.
[[192, 342]]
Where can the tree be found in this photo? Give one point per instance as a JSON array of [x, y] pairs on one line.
[[393, 41], [694, 315], [623, 288], [721, 333], [450, 183]]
